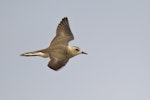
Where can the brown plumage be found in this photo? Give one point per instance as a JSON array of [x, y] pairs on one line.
[[59, 52]]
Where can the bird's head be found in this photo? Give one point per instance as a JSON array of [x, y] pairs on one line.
[[74, 50]]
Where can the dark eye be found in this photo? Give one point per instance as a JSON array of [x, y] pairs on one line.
[[77, 49]]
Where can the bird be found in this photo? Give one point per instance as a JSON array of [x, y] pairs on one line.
[[59, 51]]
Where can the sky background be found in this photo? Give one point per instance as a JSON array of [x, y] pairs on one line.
[[114, 33]]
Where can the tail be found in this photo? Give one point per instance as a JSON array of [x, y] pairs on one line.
[[36, 53]]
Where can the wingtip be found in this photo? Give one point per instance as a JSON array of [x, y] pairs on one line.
[[65, 18], [53, 68]]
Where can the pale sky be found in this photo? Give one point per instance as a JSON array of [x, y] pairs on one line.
[[114, 33]]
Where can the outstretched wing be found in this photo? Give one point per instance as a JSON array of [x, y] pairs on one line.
[[63, 33], [58, 54]]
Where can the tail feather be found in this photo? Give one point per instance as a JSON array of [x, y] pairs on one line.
[[31, 54], [35, 53]]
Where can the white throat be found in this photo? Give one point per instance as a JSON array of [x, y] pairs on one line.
[[71, 51], [70, 48]]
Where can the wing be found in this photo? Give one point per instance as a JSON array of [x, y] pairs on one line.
[[58, 56], [57, 64], [63, 33]]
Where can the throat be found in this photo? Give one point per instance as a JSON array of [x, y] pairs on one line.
[[70, 53]]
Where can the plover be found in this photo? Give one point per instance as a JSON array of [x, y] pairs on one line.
[[59, 51]]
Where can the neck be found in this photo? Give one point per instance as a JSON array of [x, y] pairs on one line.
[[69, 52]]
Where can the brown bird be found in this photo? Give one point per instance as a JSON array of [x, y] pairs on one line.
[[59, 52]]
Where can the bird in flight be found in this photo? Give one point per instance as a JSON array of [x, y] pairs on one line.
[[59, 51]]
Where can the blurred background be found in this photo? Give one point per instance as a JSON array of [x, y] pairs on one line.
[[114, 33]]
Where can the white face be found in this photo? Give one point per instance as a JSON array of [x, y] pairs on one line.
[[77, 50]]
